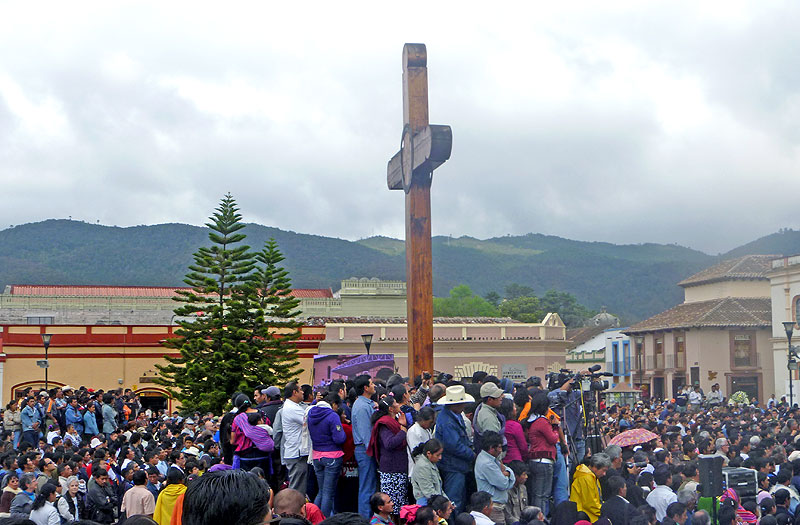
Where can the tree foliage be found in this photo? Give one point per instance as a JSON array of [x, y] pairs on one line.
[[463, 303], [520, 303], [493, 298], [567, 306], [236, 322], [525, 309]]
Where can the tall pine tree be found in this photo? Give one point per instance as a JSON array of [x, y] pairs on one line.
[[223, 334], [273, 311]]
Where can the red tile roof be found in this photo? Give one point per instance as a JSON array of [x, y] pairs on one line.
[[130, 291], [316, 293], [747, 267], [320, 321], [752, 312], [578, 336]]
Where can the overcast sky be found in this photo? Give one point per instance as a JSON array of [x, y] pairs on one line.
[[669, 122]]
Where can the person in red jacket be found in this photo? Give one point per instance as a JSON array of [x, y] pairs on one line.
[[542, 439]]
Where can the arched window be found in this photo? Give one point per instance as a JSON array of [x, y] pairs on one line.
[[796, 311]]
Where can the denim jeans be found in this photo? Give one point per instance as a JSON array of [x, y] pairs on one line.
[[32, 437], [580, 448], [454, 485], [17, 438], [560, 479], [367, 480], [327, 471], [540, 484]]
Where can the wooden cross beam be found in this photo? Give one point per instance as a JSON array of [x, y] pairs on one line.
[[423, 148]]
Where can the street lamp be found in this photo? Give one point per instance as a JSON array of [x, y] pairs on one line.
[[790, 357], [639, 356], [367, 338], [46, 342]]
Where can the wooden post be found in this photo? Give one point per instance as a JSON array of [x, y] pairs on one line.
[[423, 148]]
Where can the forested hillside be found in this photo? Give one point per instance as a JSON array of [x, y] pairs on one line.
[[632, 281]]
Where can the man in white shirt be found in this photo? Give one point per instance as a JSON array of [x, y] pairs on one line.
[[294, 447], [661, 496], [695, 399], [480, 503], [715, 396]]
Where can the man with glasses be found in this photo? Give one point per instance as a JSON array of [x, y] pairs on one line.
[[48, 467]]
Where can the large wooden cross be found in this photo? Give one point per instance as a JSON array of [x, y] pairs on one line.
[[423, 148]]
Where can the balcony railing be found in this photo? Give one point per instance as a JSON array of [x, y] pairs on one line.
[[754, 361], [655, 362], [676, 361], [620, 368]]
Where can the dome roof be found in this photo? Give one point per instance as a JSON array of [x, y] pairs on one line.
[[605, 320]]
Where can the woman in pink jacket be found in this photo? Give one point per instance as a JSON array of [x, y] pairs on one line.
[[515, 435]]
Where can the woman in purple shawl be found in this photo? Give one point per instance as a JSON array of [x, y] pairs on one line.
[[252, 442]]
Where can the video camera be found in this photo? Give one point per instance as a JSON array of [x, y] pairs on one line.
[[556, 380], [588, 383]]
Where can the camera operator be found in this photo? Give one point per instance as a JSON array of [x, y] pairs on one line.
[[565, 400]]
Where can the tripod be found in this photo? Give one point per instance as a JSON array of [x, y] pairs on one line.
[[572, 450], [591, 421]]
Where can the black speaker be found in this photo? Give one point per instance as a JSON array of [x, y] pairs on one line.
[[743, 480], [711, 482]]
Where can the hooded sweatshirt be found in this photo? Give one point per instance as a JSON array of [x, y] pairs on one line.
[[325, 429], [586, 492]]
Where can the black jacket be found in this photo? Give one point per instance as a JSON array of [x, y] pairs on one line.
[[101, 502], [618, 511]]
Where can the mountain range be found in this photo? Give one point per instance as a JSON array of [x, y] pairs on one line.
[[633, 281]]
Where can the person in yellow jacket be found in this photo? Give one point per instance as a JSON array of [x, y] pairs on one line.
[[586, 487], [169, 496]]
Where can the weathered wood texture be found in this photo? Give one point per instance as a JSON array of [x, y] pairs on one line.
[[419, 261], [423, 149]]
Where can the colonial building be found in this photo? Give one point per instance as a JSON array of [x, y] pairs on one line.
[[106, 357], [461, 346], [784, 279], [154, 305], [719, 334], [608, 347]]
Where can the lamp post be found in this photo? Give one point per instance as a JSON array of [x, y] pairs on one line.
[[46, 342], [639, 365], [367, 338], [788, 326]]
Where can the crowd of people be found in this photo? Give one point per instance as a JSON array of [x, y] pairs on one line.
[[424, 450]]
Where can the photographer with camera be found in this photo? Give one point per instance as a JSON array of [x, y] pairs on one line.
[[565, 400]]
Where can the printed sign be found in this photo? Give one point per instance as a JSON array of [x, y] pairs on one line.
[[516, 372]]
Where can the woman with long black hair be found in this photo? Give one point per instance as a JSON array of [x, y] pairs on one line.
[[388, 447], [43, 511]]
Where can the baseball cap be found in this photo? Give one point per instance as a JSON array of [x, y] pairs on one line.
[[491, 390], [272, 391]]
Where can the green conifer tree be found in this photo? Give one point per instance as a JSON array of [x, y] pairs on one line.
[[273, 311], [222, 335]]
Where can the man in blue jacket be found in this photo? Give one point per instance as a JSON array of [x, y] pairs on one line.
[[363, 408], [73, 415], [458, 455], [31, 424]]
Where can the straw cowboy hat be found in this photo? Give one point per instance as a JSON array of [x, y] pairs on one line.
[[455, 395]]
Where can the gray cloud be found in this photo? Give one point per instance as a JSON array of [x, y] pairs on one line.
[[650, 122]]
